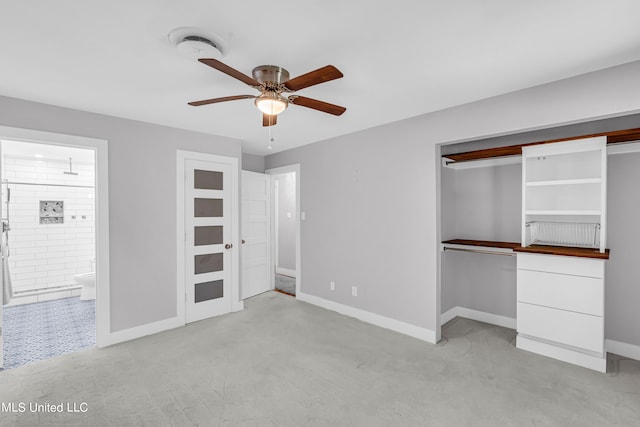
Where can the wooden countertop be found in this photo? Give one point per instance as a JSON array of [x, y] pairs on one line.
[[564, 251], [536, 249]]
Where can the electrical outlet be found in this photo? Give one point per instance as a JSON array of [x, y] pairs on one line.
[[332, 285], [354, 291]]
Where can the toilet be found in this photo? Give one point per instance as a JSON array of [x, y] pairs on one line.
[[88, 282]]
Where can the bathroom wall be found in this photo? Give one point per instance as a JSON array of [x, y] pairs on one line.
[[48, 255]]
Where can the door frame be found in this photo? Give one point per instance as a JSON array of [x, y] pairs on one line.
[[181, 294], [299, 214], [100, 149]]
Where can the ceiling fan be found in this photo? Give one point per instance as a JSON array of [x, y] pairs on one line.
[[272, 81]]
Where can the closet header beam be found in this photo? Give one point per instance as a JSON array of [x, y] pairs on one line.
[[613, 137]]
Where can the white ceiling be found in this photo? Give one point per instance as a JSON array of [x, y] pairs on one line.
[[399, 58]]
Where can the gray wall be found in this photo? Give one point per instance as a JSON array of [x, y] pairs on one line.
[[142, 197], [369, 220], [252, 162], [286, 220], [622, 277], [481, 204], [372, 197]]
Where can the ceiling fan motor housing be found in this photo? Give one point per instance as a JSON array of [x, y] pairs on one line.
[[270, 74]]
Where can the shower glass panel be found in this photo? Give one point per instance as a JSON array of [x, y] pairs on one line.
[[207, 208], [207, 235], [208, 263], [207, 180]]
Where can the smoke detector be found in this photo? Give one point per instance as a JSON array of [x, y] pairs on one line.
[[195, 43]]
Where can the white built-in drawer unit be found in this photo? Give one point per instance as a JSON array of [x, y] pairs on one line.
[[561, 308], [568, 328]]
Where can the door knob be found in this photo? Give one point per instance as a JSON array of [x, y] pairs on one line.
[[228, 246], [244, 241]]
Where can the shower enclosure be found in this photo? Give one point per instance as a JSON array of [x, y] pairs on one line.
[[48, 222]]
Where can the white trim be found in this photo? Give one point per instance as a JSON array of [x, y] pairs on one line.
[[101, 150], [565, 147], [286, 272], [481, 163], [144, 330], [612, 149], [372, 318], [631, 351], [564, 354], [448, 315], [480, 316], [181, 156], [274, 226], [623, 148], [282, 170]]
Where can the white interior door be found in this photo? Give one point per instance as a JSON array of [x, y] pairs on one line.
[[209, 237], [256, 222]]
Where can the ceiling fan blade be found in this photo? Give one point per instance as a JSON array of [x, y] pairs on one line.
[[315, 77], [325, 107], [269, 119], [214, 63], [223, 99]]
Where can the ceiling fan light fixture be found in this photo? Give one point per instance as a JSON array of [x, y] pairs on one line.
[[271, 103]]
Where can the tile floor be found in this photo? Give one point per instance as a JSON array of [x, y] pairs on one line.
[[47, 329]]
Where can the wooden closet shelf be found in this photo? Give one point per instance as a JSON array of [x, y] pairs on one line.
[[626, 135], [535, 249], [564, 251], [486, 243]]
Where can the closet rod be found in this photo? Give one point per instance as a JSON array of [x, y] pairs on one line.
[[480, 251], [47, 185]]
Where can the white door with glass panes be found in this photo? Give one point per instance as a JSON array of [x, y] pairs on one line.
[[208, 239]]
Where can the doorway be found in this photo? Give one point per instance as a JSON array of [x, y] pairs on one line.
[[48, 250], [286, 218], [207, 236]]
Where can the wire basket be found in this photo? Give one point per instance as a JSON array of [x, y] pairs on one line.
[[581, 235]]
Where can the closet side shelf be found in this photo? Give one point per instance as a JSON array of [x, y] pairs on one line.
[[563, 251]]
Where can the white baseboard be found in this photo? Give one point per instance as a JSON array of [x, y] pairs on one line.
[[286, 272], [372, 318], [480, 316], [141, 331], [631, 351], [622, 349], [581, 359]]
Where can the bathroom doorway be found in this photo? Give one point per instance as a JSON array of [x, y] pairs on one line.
[[48, 250], [286, 217]]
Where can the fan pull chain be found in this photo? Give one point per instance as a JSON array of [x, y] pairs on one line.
[[269, 147]]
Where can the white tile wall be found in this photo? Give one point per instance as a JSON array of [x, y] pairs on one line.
[[49, 255]]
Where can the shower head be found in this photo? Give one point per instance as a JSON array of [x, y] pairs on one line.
[[71, 172]]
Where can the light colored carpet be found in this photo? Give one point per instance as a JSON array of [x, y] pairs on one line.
[[286, 284], [229, 371]]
